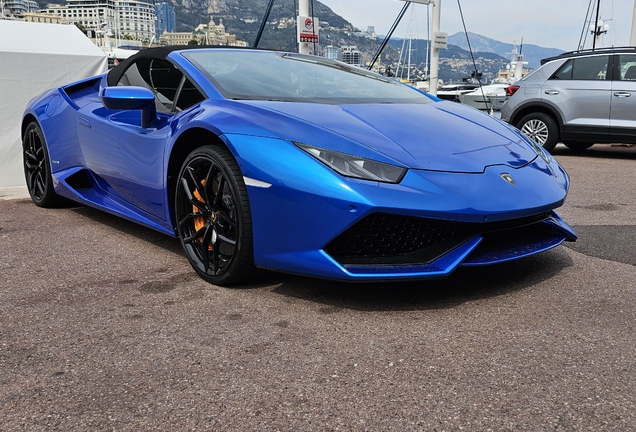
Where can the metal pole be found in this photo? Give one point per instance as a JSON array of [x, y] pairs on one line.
[[434, 78], [632, 39], [388, 36], [408, 73], [303, 10], [596, 32], [265, 18]]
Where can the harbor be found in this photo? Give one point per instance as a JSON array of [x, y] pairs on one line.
[[232, 215]]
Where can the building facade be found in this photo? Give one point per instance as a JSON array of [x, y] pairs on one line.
[[331, 52], [204, 34], [20, 7], [166, 19], [44, 18], [369, 33], [176, 38], [136, 19], [350, 55]]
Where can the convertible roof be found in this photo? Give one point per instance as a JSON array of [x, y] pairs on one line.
[[116, 73]]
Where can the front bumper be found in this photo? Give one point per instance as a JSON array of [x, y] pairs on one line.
[[306, 221]]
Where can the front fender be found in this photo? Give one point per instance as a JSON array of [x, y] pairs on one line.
[[537, 106]]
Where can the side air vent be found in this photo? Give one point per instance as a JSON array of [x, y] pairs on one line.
[[80, 180]]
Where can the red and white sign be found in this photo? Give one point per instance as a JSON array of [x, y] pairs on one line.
[[308, 29]]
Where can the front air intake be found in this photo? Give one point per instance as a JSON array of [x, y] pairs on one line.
[[386, 239]]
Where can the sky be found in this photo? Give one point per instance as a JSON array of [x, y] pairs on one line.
[[547, 23]]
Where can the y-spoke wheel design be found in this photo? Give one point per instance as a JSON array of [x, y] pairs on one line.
[[536, 130], [213, 216], [541, 128], [37, 171]]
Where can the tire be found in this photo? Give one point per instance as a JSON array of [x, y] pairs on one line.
[[577, 146], [213, 218], [540, 128], [37, 168]]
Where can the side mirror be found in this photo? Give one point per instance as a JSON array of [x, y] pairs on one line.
[[131, 98]]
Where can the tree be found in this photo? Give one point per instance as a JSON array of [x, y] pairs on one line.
[[193, 42], [81, 27]]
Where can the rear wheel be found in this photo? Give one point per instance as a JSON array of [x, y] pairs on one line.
[[541, 128], [213, 217], [578, 146], [37, 168]]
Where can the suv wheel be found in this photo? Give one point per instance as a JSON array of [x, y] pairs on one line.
[[578, 146], [541, 128]]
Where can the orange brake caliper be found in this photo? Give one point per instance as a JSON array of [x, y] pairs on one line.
[[199, 221]]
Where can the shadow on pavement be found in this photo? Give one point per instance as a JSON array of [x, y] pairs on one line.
[[600, 151], [164, 241], [464, 285], [608, 242]]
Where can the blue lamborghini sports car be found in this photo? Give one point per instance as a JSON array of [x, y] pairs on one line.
[[263, 159]]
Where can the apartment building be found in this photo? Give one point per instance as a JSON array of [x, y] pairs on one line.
[[135, 18]]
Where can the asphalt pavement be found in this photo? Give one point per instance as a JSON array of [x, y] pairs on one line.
[[104, 326]]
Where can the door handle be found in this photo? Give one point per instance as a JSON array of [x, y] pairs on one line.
[[622, 94], [551, 92], [85, 122]]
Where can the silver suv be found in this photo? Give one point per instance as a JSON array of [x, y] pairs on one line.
[[578, 98]]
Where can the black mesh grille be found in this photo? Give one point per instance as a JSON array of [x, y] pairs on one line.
[[392, 239]]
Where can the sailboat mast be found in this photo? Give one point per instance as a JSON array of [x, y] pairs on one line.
[[408, 74], [596, 30], [632, 39]]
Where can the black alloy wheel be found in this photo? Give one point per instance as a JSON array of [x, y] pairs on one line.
[[213, 217], [37, 170]]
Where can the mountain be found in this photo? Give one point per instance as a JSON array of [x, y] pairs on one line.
[[243, 18], [455, 63], [531, 53]]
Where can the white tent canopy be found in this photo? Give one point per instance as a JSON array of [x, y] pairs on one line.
[[35, 57]]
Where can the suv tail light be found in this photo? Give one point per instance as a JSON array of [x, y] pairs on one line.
[[510, 90]]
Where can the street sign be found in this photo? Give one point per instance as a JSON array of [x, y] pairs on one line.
[[308, 29], [440, 40]]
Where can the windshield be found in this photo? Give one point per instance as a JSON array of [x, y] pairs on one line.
[[266, 75]]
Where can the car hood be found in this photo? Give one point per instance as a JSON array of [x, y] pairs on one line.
[[438, 136]]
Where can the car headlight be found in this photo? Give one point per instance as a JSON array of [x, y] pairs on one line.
[[535, 145], [540, 151], [356, 166]]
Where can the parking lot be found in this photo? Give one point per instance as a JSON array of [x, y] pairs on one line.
[[104, 326]]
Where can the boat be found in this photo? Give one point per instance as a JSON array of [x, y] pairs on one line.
[[514, 70], [488, 97], [452, 92], [115, 51], [492, 97], [119, 54]]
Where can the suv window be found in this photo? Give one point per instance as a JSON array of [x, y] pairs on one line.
[[165, 81], [583, 68], [628, 67]]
